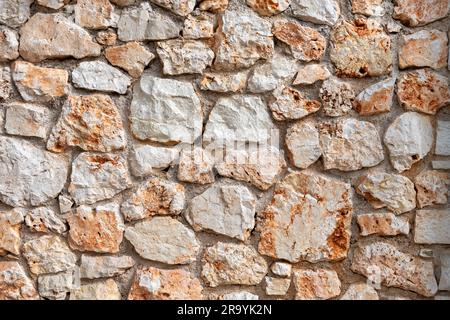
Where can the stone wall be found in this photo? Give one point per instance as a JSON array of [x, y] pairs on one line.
[[182, 149]]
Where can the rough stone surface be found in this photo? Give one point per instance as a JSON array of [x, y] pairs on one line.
[[198, 25], [382, 224], [105, 290], [180, 7], [360, 291], [10, 238], [5, 83], [238, 295], [215, 6], [145, 158], [93, 267], [443, 138], [444, 280], [319, 284], [311, 73], [45, 219], [163, 239], [409, 139], [165, 110], [9, 44], [94, 14], [268, 7], [312, 205], [14, 282], [98, 229], [52, 36], [383, 263], [316, 11], [224, 82], [337, 97], [196, 166], [154, 197], [98, 177], [423, 90], [229, 263], [53, 4], [431, 226], [360, 48], [277, 286], [25, 119], [415, 13], [350, 145], [158, 284], [48, 254], [100, 76], [432, 188], [56, 286], [226, 210], [132, 57], [302, 141], [107, 37], [375, 99], [393, 191], [281, 269], [30, 175], [441, 164], [14, 13]]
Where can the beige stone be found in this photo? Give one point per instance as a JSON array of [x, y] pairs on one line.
[[337, 97], [224, 82], [311, 73], [5, 83], [45, 219], [360, 291], [9, 44], [302, 142], [195, 166], [29, 120], [144, 159], [132, 57], [10, 238], [431, 227], [277, 286], [198, 25], [215, 6], [93, 267], [56, 286], [179, 7], [382, 224], [94, 14], [442, 138], [268, 7], [415, 13], [375, 99], [107, 37], [432, 188], [53, 4], [105, 290], [319, 284], [368, 7], [308, 218], [14, 282], [14, 13]]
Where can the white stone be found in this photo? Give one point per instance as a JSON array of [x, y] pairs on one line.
[[15, 283], [13, 13], [9, 44], [442, 138], [432, 227], [375, 99], [65, 203], [93, 267], [145, 158], [441, 164], [44, 219], [224, 82], [277, 286], [282, 269], [56, 286], [316, 11], [360, 291], [302, 141], [27, 120], [179, 7], [103, 290], [238, 295], [444, 280], [198, 25]]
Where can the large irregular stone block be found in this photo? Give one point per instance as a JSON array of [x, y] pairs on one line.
[[14, 282], [375, 99], [224, 82], [302, 141], [94, 14], [409, 139], [226, 210], [316, 11], [14, 13], [132, 57], [308, 218], [52, 36], [350, 145], [30, 176], [165, 110], [431, 227], [163, 239], [56, 286], [28, 120], [45, 219], [415, 13], [91, 122], [196, 166], [229, 263], [98, 177], [320, 284], [268, 7], [104, 290], [10, 226], [93, 267], [382, 263], [432, 187], [382, 224], [145, 158], [9, 44]]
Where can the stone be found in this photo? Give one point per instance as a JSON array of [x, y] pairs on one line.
[[268, 8], [414, 13], [376, 98], [132, 57], [382, 224], [165, 110], [144, 158], [444, 280], [45, 219], [303, 43], [426, 48], [123, 3], [227, 210], [181, 56], [10, 238], [242, 39], [311, 73], [260, 167], [432, 187], [238, 118], [154, 197], [9, 44], [14, 282], [65, 203], [198, 25], [230, 263], [360, 48], [360, 291], [316, 11], [393, 191], [224, 82], [14, 13], [423, 90], [30, 175], [431, 227], [56, 286], [368, 7], [215, 6], [237, 295], [163, 239], [303, 144], [98, 229], [53, 4], [5, 83], [93, 267], [382, 263], [393, 27], [107, 37], [98, 177], [441, 164], [442, 138], [94, 14], [350, 145], [179, 7], [277, 286], [287, 103], [29, 120], [196, 166], [157, 284], [39, 84], [104, 290], [143, 23], [319, 284], [426, 253], [270, 75], [281, 269], [52, 36], [337, 97], [91, 122], [48, 254], [308, 219], [409, 139], [100, 76]]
